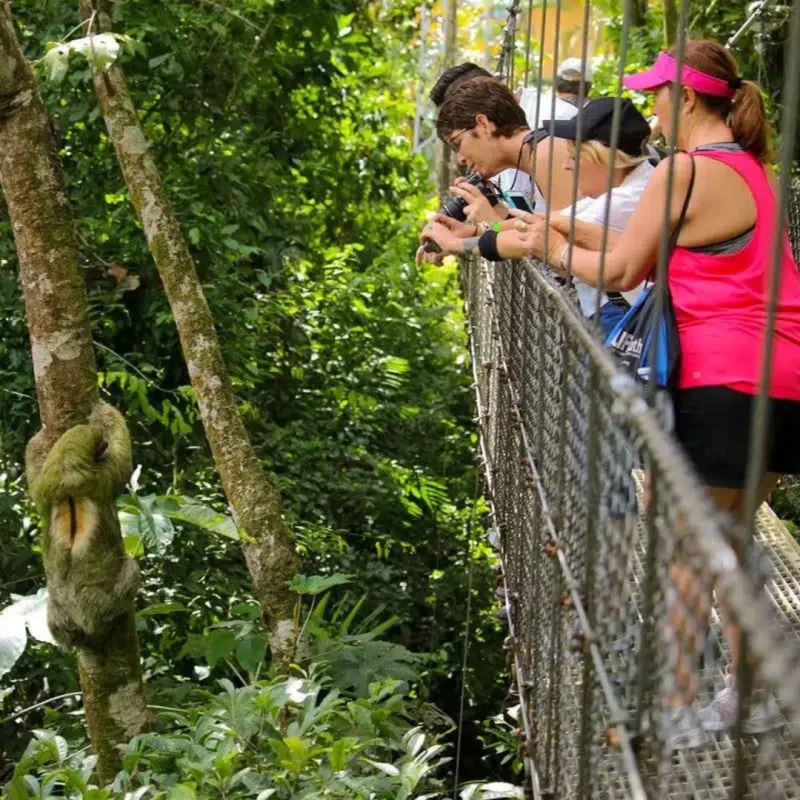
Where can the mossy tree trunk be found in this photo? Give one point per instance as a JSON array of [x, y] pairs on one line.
[[446, 159], [64, 367], [268, 547], [670, 23]]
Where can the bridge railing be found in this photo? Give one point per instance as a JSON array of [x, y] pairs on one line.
[[590, 573], [614, 555]]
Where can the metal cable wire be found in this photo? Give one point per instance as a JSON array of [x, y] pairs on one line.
[[590, 578]]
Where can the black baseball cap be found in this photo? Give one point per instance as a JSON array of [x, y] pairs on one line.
[[596, 118]]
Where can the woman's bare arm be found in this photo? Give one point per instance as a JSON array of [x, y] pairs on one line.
[[588, 235], [636, 251]]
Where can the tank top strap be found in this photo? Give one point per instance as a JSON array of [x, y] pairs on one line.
[[750, 169]]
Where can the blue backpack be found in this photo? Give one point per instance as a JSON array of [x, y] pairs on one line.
[[633, 340]]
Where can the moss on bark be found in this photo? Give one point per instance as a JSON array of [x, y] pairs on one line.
[[55, 296], [269, 551]]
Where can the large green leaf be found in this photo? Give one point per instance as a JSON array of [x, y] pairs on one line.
[[315, 584], [150, 518], [250, 650], [204, 517]]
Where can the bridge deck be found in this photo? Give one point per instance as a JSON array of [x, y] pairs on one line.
[[774, 758]]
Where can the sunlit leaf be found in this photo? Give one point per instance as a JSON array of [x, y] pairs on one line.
[[314, 584], [159, 609]]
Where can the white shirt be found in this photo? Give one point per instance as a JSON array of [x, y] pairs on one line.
[[624, 199], [519, 182]]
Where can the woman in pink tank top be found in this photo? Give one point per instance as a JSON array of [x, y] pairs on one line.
[[718, 279]]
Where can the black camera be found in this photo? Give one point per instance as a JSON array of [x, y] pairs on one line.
[[454, 206]]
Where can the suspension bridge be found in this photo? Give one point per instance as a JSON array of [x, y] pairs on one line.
[[565, 438]]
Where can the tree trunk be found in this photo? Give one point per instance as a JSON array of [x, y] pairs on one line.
[[268, 547], [445, 166], [66, 385], [637, 12], [670, 23]]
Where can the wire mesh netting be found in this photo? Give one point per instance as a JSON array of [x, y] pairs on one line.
[[591, 575]]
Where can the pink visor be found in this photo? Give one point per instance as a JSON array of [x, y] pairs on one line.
[[665, 70]]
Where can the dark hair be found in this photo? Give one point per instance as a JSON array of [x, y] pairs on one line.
[[564, 86], [453, 77], [749, 123], [480, 96]]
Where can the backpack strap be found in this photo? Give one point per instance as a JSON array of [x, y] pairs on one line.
[[676, 231]]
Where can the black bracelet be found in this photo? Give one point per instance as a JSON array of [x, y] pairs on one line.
[[487, 246]]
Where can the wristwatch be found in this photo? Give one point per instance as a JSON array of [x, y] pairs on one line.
[[485, 227]]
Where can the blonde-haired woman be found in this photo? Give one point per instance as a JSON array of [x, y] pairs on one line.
[[631, 172]]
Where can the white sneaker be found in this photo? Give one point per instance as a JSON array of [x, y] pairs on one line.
[[683, 728], [721, 713]]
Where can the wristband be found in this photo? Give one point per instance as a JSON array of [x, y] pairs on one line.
[[487, 246], [470, 244]]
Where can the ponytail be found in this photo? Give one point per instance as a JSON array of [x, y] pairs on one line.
[[746, 114], [749, 123]]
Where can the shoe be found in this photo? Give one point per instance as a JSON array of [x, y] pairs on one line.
[[683, 728], [721, 713]]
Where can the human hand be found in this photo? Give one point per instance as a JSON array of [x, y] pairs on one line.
[[424, 257], [448, 241], [533, 240], [461, 229], [523, 218], [478, 208]]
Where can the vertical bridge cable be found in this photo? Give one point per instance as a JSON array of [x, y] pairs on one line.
[[661, 288], [540, 74], [528, 33], [587, 7], [759, 432], [551, 773], [615, 126]]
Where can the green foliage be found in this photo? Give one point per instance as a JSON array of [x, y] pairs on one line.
[[316, 584], [282, 133], [147, 522], [759, 52], [288, 739]]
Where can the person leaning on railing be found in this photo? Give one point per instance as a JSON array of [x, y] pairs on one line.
[[631, 173], [488, 130], [632, 170], [718, 279]]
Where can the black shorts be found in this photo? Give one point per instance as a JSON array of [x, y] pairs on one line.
[[713, 424]]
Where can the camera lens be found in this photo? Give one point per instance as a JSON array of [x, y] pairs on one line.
[[454, 207]]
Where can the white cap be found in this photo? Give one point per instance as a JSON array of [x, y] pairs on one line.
[[572, 69]]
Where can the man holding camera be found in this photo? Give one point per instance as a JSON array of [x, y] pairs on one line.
[[482, 122], [493, 136], [539, 107]]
